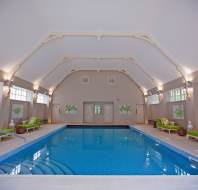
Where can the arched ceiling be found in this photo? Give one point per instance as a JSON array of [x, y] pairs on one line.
[[167, 46]]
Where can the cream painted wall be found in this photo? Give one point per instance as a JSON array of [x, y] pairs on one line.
[[73, 91], [164, 109], [40, 111], [30, 109]]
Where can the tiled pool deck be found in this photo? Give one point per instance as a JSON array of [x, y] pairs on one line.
[[100, 182], [10, 143], [188, 145]]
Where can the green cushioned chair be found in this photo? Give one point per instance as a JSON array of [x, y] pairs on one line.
[[192, 134], [164, 124], [6, 132], [33, 123]]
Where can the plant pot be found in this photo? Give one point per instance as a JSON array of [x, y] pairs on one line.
[[182, 132], [20, 130]]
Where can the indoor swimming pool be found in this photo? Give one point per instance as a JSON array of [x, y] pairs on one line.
[[98, 150]]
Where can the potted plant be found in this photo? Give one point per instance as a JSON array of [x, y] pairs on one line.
[[20, 130], [182, 131]]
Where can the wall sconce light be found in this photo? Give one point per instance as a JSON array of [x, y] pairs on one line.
[[160, 88], [50, 92], [36, 87], [6, 88], [189, 89], [7, 76], [35, 94], [6, 91], [160, 94], [146, 99], [145, 94]]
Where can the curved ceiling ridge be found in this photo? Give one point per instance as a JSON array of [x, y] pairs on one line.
[[145, 37], [131, 60]]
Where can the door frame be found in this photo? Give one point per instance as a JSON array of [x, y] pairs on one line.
[[144, 116], [53, 116], [98, 102]]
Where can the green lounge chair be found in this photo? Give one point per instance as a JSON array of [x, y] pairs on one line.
[[6, 132], [192, 134], [33, 123], [164, 124]]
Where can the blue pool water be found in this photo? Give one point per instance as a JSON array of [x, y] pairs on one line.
[[97, 151]]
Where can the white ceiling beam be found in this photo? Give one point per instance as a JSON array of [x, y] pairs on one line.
[[60, 35], [131, 59]]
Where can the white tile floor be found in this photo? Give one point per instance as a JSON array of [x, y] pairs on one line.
[[100, 182], [8, 144], [188, 145]]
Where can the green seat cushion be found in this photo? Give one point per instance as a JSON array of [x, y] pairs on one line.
[[9, 130], [6, 131], [173, 127], [26, 126], [193, 133], [33, 120], [164, 121]]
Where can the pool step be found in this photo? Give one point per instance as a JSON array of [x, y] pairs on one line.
[[56, 170], [7, 169], [38, 167], [1, 172], [33, 168], [66, 169]]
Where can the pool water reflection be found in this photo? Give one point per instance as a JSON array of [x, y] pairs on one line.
[[98, 151]]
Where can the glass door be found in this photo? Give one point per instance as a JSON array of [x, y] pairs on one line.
[[98, 112]]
